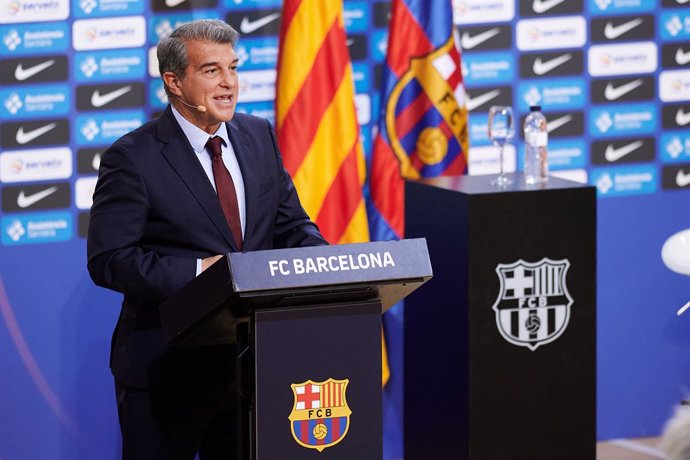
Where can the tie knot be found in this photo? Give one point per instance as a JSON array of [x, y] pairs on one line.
[[214, 146]]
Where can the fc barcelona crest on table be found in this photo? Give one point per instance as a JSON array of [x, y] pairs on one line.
[[320, 417], [533, 304]]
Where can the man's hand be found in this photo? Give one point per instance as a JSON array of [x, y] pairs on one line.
[[207, 262]]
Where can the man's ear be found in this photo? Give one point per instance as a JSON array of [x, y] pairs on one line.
[[172, 82]]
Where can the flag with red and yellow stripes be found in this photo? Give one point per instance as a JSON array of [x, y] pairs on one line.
[[316, 121]]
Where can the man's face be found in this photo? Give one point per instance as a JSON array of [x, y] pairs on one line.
[[210, 80]]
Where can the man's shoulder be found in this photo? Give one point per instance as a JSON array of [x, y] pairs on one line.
[[141, 137], [147, 130], [245, 120], [137, 145]]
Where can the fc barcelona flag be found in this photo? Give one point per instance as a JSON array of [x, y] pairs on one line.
[[422, 133], [423, 124], [316, 121]]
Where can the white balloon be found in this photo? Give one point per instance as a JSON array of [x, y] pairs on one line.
[[676, 252]]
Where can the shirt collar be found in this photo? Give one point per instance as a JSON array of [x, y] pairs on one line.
[[198, 137]]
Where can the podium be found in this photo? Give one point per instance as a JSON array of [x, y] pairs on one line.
[[500, 351], [309, 364]]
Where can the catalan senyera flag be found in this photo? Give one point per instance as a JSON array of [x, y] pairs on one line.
[[316, 121], [423, 125]]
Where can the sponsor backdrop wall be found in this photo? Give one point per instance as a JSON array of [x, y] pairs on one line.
[[611, 75]]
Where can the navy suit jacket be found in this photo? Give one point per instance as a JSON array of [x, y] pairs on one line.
[[155, 213]]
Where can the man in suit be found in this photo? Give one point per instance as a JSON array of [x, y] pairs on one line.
[[172, 197]]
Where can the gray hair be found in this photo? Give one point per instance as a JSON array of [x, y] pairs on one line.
[[172, 50]]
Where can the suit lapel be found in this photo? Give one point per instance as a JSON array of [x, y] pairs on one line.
[[245, 159], [181, 157]]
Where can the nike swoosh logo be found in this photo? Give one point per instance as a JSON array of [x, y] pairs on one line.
[[542, 6], [173, 3], [612, 93], [99, 100], [613, 154], [682, 57], [682, 118], [96, 162], [553, 125], [475, 102], [24, 201], [612, 32], [247, 26], [541, 67], [22, 74], [470, 41], [682, 179], [28, 136]]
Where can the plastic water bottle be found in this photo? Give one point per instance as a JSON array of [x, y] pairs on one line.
[[536, 138]]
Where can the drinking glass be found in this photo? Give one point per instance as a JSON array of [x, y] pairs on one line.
[[501, 130]]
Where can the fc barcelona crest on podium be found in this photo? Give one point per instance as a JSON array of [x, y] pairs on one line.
[[320, 417], [533, 305]]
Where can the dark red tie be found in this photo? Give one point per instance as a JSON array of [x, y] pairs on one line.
[[225, 188]]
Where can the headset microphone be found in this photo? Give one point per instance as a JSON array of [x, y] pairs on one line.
[[200, 108]]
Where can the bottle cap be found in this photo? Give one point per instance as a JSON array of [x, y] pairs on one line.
[[535, 108]]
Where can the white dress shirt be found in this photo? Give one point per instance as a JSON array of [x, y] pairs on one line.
[[198, 138]]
